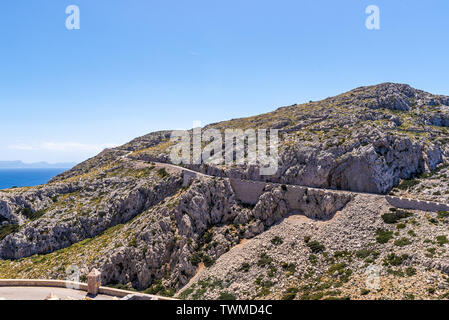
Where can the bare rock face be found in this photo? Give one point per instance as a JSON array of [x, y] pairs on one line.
[[394, 97], [6, 213], [302, 258], [323, 205], [377, 168]]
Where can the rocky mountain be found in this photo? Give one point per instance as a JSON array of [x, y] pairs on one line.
[[152, 226]]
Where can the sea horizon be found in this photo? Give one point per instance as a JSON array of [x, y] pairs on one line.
[[27, 177]]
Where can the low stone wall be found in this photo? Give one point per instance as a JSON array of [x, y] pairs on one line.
[[304, 199], [73, 285], [413, 204], [312, 202], [247, 191]]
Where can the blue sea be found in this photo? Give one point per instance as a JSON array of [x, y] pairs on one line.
[[26, 177]]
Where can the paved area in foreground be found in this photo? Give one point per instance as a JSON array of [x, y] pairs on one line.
[[40, 293]]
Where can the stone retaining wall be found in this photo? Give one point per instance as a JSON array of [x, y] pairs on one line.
[[297, 197]]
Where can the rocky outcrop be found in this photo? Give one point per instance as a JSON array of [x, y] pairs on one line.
[[74, 211]]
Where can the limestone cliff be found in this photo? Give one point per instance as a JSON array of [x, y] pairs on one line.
[[146, 226]]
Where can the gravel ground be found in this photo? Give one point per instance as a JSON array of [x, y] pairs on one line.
[[280, 264]]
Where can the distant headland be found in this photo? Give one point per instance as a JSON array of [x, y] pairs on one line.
[[36, 165]]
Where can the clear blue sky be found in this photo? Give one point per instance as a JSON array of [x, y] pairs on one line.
[[138, 66]]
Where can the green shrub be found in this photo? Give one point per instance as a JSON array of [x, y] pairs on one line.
[[264, 260], [400, 226], [290, 293], [277, 241], [397, 273], [407, 184], [196, 258], [342, 254], [313, 296], [363, 253], [409, 296], [395, 260], [162, 173], [442, 240], [208, 261], [340, 269], [245, 267], [315, 246], [289, 296], [133, 242], [402, 242], [186, 293], [272, 272], [410, 271], [208, 236], [28, 213], [313, 259], [158, 289], [226, 296], [290, 267], [383, 236], [411, 233], [443, 214], [264, 286], [364, 292]]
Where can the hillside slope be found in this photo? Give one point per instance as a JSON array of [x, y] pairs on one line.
[[144, 227]]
